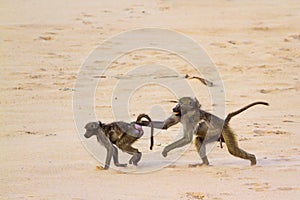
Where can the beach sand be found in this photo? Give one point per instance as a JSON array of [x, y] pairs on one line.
[[255, 46]]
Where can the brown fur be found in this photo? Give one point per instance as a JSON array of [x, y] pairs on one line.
[[210, 128], [121, 134]]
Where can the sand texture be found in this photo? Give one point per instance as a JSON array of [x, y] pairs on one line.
[[255, 46]]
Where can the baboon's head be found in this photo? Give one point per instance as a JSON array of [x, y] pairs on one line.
[[186, 104], [92, 128]]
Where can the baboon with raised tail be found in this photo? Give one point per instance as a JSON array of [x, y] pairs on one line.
[[206, 126]]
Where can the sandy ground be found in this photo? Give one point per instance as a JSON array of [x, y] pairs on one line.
[[255, 46]]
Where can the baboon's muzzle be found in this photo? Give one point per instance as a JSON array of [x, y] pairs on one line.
[[87, 135], [177, 110]]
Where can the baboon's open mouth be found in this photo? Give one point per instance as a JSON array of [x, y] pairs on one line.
[[176, 110], [177, 113]]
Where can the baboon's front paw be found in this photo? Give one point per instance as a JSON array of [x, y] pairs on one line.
[[106, 167], [164, 153]]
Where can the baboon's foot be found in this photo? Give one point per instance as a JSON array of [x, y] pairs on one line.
[[131, 160], [205, 160], [120, 165], [135, 159], [252, 159], [135, 163], [138, 158]]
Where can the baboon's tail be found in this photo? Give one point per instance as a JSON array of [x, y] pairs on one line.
[[139, 120], [143, 115], [232, 114]]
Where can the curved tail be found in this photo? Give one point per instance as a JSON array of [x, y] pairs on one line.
[[143, 115], [232, 114], [139, 120]]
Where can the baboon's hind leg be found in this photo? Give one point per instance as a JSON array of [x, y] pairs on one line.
[[135, 158], [136, 155], [233, 148], [201, 149], [199, 144]]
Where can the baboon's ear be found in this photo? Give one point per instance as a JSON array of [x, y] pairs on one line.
[[195, 103], [196, 100]]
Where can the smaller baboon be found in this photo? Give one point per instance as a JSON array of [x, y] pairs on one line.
[[120, 134]]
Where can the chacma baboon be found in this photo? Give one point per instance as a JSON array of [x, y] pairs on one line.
[[120, 134], [206, 126]]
